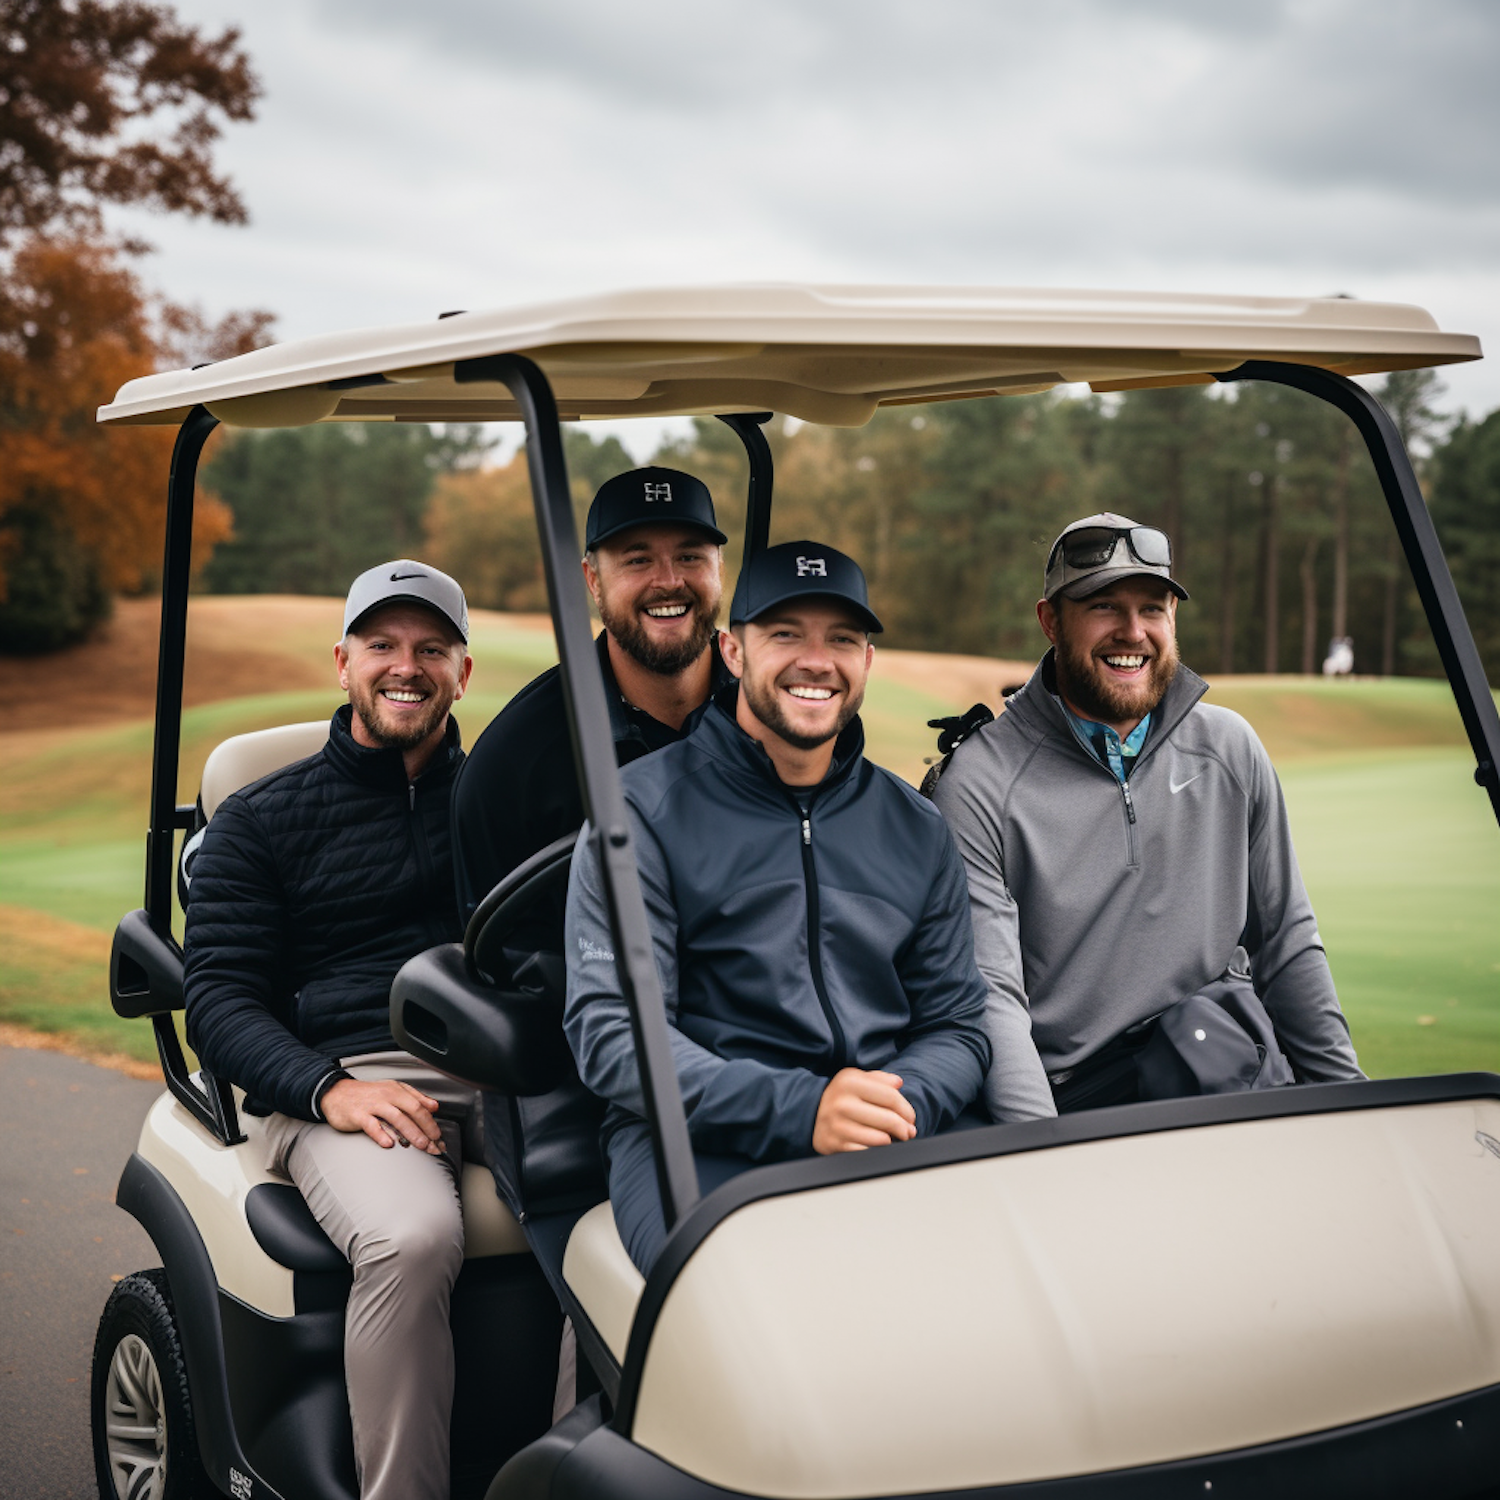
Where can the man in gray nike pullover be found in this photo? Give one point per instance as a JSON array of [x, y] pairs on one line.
[[1126, 844]]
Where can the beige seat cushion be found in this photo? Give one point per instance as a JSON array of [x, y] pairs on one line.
[[490, 1228], [603, 1277], [244, 758]]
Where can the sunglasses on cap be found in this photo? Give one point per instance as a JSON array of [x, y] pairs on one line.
[[1093, 546]]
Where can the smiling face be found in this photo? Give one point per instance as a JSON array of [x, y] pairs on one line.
[[1116, 650], [403, 667], [802, 667], [658, 590]]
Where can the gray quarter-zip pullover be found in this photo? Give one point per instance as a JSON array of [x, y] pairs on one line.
[[1098, 903]]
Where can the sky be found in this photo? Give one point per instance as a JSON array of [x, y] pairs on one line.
[[411, 158]]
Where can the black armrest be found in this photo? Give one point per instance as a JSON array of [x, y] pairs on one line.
[[145, 969], [495, 1039], [145, 979]]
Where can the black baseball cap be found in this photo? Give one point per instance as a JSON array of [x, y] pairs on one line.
[[648, 497], [798, 570]]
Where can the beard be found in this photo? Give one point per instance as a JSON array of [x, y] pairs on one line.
[[1082, 682], [406, 734], [765, 704], [665, 658]]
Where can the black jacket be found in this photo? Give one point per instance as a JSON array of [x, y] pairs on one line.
[[312, 887], [788, 946], [518, 789]]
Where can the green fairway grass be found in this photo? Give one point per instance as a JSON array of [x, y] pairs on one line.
[[1402, 859], [1397, 844]]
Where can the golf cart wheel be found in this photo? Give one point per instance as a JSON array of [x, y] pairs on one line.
[[145, 1447]]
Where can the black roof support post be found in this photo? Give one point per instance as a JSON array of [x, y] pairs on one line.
[[176, 575], [213, 1105], [747, 427], [1419, 541], [598, 774]]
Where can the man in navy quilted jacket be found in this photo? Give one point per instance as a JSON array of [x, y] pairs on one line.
[[312, 887]]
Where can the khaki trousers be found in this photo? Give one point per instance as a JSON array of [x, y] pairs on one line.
[[395, 1214]]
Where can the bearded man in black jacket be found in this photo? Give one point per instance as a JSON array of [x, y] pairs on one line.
[[310, 890]]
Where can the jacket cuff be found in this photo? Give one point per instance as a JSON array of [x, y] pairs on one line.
[[326, 1082]]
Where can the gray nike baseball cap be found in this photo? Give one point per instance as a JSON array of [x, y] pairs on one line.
[[407, 582]]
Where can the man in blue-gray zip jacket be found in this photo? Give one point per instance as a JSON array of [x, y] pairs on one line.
[[809, 914]]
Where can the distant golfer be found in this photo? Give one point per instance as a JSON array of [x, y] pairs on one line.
[[1128, 849], [808, 911]]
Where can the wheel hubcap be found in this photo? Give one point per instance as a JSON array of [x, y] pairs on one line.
[[135, 1423]]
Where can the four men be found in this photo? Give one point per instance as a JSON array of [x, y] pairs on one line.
[[1127, 846], [311, 888], [807, 908]]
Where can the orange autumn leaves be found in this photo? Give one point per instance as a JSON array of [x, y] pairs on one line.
[[74, 327]]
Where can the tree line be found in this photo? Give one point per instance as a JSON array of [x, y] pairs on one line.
[[1280, 532], [100, 105], [1279, 527]]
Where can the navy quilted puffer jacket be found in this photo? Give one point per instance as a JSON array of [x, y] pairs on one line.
[[312, 887]]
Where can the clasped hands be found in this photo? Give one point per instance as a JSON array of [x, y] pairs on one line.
[[860, 1109]]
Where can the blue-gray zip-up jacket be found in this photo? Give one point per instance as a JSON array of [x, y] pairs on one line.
[[788, 946], [1098, 903]]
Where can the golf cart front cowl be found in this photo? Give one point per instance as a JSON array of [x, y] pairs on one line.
[[1194, 1283]]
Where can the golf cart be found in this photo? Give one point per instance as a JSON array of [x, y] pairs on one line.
[[1075, 1307]]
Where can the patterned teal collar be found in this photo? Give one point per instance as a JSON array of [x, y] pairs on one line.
[[1110, 749]]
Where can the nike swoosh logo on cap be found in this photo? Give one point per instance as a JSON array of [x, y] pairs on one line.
[[1177, 786], [397, 577]]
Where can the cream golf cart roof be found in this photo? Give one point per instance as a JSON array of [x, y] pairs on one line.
[[828, 354]]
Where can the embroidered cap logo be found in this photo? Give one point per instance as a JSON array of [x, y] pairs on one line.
[[813, 567], [658, 492]]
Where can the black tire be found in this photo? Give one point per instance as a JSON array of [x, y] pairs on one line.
[[139, 1382]]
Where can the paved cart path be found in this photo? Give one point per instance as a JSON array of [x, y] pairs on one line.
[[66, 1129]]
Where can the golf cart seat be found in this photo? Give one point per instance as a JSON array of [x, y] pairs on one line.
[[236, 763], [244, 758]]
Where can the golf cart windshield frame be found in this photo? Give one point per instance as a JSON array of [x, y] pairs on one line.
[[588, 715]]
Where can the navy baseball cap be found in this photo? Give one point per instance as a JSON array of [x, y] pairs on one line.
[[647, 497], [798, 570]]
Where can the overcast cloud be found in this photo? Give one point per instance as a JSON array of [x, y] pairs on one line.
[[468, 153]]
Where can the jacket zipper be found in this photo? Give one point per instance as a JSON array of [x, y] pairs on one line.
[[814, 944], [424, 859], [1131, 859]]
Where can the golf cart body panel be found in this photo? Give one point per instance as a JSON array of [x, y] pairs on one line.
[[1321, 1270], [822, 353], [1286, 1289], [221, 1188]]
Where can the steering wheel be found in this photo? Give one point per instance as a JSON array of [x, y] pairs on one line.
[[495, 920]]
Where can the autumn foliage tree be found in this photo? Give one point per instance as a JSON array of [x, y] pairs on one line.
[[100, 104]]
